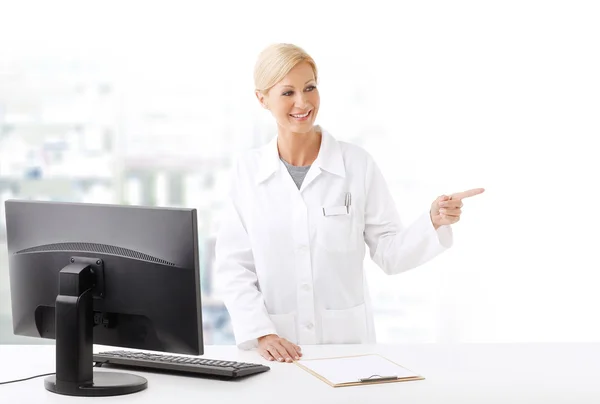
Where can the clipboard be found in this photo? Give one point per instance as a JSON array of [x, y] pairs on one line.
[[357, 370]]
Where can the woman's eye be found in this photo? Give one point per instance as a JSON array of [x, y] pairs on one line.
[[289, 93]]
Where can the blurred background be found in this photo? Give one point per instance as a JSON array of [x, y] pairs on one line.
[[148, 103]]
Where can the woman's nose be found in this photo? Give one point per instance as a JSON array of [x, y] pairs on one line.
[[300, 101]]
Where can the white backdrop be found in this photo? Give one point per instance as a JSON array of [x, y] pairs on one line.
[[446, 95]]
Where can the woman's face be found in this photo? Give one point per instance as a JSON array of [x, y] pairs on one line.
[[294, 101]]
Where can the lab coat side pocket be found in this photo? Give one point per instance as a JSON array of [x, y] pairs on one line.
[[285, 324], [347, 326]]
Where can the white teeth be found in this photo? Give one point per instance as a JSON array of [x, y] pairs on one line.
[[300, 116]]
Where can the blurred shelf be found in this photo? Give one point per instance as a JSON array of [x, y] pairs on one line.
[[52, 186], [179, 163], [14, 179], [45, 124]]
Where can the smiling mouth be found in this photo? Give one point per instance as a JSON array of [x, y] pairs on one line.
[[302, 116]]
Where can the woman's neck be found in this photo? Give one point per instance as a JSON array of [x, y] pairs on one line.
[[299, 149]]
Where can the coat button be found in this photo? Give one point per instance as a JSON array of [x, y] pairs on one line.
[[309, 326], [306, 287]]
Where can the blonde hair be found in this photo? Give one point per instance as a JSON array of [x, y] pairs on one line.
[[275, 62]]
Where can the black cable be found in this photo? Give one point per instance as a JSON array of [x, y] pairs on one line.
[[98, 364], [27, 378]]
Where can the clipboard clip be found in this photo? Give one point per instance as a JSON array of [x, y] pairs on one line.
[[377, 378]]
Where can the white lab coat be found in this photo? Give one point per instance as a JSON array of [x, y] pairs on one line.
[[283, 267]]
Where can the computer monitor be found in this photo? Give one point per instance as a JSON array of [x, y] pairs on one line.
[[124, 276]]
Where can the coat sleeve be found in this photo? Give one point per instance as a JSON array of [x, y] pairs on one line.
[[394, 247], [236, 280]]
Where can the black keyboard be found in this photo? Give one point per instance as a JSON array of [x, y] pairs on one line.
[[173, 363]]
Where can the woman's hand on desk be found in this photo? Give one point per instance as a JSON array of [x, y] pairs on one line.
[[273, 347]]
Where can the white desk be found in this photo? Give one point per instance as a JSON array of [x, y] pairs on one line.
[[466, 373]]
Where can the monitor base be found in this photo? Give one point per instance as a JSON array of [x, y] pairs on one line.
[[78, 282], [104, 384]]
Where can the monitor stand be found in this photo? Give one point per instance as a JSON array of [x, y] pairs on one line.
[[78, 283]]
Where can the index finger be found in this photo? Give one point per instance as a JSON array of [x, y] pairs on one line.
[[467, 194]]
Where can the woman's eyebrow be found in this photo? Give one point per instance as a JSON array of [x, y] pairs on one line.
[[288, 85]]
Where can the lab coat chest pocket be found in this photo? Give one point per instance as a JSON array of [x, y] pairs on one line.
[[336, 230], [285, 324], [347, 326]]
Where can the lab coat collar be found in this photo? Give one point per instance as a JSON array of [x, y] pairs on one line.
[[269, 161], [329, 158]]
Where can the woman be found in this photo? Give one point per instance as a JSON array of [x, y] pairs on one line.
[[290, 248]]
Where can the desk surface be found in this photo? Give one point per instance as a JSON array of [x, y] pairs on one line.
[[462, 373]]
